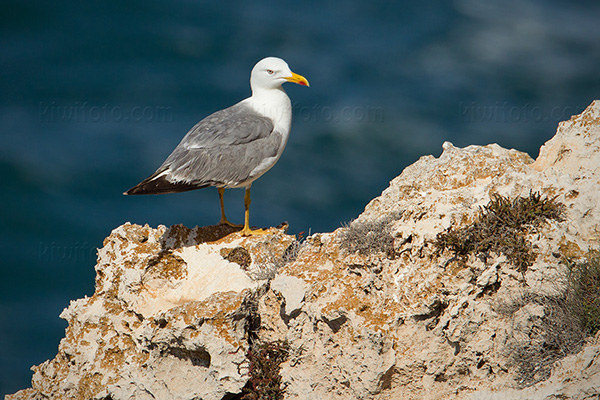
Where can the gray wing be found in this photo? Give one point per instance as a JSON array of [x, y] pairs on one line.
[[223, 149], [237, 124]]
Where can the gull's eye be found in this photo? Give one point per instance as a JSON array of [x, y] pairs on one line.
[[270, 71]]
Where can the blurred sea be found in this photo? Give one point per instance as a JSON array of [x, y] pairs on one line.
[[94, 95]]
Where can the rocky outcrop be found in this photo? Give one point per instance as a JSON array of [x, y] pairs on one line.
[[374, 310], [168, 320]]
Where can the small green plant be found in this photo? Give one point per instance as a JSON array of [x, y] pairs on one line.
[[584, 292], [501, 227], [265, 381]]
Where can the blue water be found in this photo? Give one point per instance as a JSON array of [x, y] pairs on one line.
[[94, 96]]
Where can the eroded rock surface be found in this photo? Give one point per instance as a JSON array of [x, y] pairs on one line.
[[370, 311], [169, 318]]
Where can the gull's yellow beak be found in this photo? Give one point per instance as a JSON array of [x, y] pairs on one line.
[[299, 79]]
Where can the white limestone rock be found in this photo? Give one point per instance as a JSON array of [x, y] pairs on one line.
[[292, 289], [173, 308], [420, 325], [169, 318]]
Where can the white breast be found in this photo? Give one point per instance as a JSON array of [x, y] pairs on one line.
[[275, 105]]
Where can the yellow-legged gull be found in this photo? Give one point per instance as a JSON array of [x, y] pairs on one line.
[[235, 146]]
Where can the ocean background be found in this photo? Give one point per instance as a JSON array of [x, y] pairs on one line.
[[94, 96]]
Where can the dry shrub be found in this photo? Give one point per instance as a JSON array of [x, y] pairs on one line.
[[265, 381], [501, 227], [371, 236]]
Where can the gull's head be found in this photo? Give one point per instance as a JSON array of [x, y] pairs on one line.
[[271, 73]]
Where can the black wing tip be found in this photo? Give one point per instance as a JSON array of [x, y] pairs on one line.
[[133, 191], [144, 187], [161, 186]]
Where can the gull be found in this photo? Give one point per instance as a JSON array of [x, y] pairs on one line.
[[232, 147]]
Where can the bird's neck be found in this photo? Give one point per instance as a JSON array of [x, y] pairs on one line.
[[272, 103], [269, 95]]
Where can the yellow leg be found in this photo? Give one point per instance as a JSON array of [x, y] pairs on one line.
[[247, 231], [224, 220]]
